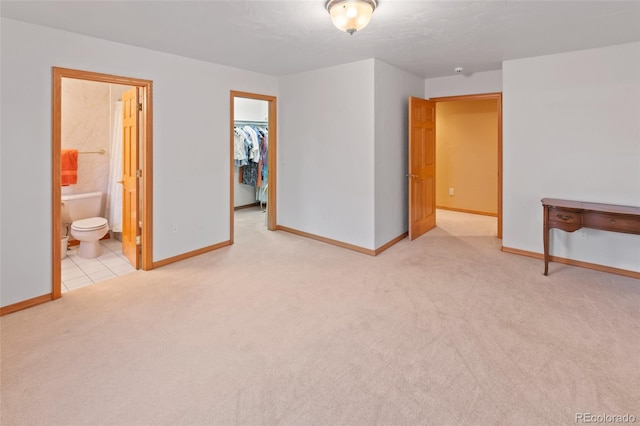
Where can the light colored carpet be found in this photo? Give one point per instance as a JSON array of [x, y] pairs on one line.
[[283, 330]]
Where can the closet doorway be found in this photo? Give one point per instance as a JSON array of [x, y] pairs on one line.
[[137, 207], [253, 158]]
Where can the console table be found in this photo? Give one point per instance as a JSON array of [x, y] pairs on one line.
[[572, 215]]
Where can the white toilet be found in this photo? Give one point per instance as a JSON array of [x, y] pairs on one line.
[[81, 212]]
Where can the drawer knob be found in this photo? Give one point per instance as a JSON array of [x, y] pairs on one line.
[[564, 217], [612, 221]]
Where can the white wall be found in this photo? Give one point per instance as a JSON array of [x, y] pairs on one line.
[[191, 145], [461, 84], [326, 153], [247, 110], [572, 131], [393, 87], [251, 109]]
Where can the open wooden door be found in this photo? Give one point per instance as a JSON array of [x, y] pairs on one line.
[[130, 175], [422, 166]]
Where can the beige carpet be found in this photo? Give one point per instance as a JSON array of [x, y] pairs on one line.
[[283, 330]]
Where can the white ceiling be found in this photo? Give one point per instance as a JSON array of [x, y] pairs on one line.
[[427, 38]]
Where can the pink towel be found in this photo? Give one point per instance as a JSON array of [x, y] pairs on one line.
[[69, 163]]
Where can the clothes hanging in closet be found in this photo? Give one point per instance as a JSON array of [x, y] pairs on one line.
[[251, 154]]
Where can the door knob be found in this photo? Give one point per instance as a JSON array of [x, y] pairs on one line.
[[412, 175], [120, 181]]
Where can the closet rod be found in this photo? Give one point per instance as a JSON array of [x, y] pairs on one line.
[[255, 123]]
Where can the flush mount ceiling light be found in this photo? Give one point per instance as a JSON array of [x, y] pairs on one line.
[[351, 15]]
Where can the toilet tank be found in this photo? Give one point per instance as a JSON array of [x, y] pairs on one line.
[[81, 206]]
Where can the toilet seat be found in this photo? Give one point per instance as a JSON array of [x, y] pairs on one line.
[[90, 224]]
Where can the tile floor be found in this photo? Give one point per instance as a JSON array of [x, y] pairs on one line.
[[79, 272]]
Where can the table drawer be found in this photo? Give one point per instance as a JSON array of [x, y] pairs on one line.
[[612, 222], [567, 220]]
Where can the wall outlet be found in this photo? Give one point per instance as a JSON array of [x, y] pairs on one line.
[[174, 229], [451, 192]]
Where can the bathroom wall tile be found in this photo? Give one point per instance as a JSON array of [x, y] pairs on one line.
[[86, 122]]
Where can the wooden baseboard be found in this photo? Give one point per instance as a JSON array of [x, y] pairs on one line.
[[343, 244], [467, 211], [247, 206], [565, 261], [391, 243], [25, 304], [194, 253], [327, 240]]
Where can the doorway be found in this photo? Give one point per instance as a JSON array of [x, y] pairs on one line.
[[139, 98], [469, 155], [253, 180], [424, 163]]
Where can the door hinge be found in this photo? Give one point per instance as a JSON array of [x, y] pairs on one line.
[[138, 240], [140, 106], [139, 173]]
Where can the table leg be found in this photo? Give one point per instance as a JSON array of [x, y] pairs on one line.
[[545, 238]]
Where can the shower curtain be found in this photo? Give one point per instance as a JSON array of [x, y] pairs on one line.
[[114, 189]]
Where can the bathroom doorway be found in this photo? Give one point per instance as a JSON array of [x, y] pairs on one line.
[[134, 174], [253, 174]]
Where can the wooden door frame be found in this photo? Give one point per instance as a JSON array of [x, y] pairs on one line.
[[480, 97], [147, 167], [273, 138]]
